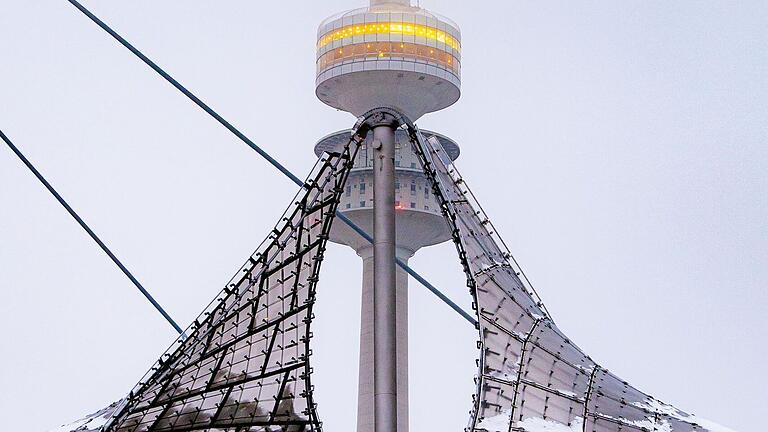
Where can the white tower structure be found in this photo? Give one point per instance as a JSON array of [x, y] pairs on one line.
[[387, 55], [419, 223]]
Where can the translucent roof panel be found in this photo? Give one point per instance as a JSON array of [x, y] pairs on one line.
[[531, 377], [244, 363]]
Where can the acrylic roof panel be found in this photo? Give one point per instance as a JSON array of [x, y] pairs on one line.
[[531, 377], [244, 365]]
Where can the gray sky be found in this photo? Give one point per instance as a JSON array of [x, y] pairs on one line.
[[620, 148]]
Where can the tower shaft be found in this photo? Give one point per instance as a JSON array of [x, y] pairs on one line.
[[384, 280], [365, 410]]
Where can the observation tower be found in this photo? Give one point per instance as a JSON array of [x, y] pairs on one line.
[[243, 365], [389, 55]]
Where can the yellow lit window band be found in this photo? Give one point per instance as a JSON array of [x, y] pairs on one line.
[[392, 28], [388, 51]]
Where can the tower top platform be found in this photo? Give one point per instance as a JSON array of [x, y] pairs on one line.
[[389, 54]]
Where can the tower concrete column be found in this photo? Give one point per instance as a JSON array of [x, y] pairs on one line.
[[384, 271], [365, 410]]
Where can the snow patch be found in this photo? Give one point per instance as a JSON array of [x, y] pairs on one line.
[[72, 426], [709, 425], [664, 426], [535, 424], [503, 376], [509, 373], [97, 422], [497, 423], [93, 422], [654, 405]]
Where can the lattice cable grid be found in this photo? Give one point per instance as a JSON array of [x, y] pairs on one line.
[[245, 364], [530, 375]]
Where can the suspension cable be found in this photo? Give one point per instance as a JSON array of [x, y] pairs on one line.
[[259, 150], [90, 232]]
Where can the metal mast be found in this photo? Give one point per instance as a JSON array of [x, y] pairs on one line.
[[384, 274], [384, 280]]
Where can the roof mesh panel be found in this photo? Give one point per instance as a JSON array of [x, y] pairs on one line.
[[244, 363], [531, 376]]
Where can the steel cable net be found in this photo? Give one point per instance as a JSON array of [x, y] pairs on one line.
[[531, 376], [244, 365]]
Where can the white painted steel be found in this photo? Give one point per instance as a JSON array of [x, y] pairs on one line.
[[384, 283]]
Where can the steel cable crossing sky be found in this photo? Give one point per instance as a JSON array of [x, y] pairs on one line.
[[90, 232], [261, 152]]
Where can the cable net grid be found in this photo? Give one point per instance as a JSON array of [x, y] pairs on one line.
[[530, 375], [244, 363]]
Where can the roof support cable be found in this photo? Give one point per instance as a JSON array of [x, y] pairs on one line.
[[258, 149], [90, 232], [187, 93]]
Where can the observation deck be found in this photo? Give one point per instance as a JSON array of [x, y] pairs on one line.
[[419, 217], [390, 55]]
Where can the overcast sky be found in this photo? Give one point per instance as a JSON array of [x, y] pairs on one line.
[[619, 146]]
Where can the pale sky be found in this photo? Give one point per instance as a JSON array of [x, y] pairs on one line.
[[621, 148]]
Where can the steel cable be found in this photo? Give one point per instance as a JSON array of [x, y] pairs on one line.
[[90, 232], [259, 150]]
